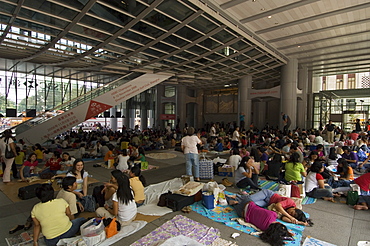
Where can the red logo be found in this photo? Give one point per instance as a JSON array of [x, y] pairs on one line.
[[96, 108]]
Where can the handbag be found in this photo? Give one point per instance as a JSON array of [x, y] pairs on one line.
[[9, 154], [89, 203], [113, 228]]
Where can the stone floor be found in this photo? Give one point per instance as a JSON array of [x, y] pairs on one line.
[[336, 223]]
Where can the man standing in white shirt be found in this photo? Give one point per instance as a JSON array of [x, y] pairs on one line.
[[189, 147]]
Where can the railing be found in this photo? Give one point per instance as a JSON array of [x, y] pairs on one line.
[[39, 119]]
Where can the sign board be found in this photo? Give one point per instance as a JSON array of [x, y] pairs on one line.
[[167, 117], [66, 120]]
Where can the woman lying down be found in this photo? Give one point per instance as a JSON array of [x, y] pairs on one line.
[[250, 208]]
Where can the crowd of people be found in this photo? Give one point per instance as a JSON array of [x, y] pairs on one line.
[[326, 168]]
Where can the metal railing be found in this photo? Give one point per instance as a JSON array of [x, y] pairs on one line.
[[41, 118]]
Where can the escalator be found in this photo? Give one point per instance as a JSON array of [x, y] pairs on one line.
[[45, 126]]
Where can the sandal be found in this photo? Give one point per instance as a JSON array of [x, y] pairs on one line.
[[27, 226], [15, 229]]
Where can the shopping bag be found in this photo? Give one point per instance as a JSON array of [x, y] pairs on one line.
[[285, 190], [352, 198], [93, 231]]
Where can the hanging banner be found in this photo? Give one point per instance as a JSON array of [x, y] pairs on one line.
[[65, 121]]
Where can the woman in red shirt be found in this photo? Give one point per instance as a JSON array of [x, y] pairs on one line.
[[52, 165]]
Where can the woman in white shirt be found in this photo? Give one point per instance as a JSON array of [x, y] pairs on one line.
[[122, 161], [247, 174], [124, 206]]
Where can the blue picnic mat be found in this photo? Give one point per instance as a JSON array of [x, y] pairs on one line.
[[219, 214]]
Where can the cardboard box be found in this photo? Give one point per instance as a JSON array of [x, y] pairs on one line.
[[226, 171]]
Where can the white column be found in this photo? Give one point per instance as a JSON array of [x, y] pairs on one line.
[[288, 100], [302, 107], [113, 121], [244, 103], [181, 105], [159, 107], [131, 118]]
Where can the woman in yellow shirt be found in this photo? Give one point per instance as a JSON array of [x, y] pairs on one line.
[[39, 153], [137, 183]]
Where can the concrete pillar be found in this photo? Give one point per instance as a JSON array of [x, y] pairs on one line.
[[288, 92], [302, 108], [310, 104], [181, 105], [260, 114], [244, 103], [144, 119], [159, 107], [131, 118], [113, 121]]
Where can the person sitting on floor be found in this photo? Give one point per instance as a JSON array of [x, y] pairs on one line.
[[69, 184], [123, 161], [103, 193], [124, 206], [81, 176], [246, 174], [53, 217], [51, 166], [314, 183], [28, 168], [346, 175], [137, 183], [294, 170]]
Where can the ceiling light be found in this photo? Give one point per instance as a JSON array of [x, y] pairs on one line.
[[253, 0], [269, 16], [299, 46], [263, 9]]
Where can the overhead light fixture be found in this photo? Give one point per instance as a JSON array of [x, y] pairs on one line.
[[263, 9], [269, 16], [253, 0], [299, 46]]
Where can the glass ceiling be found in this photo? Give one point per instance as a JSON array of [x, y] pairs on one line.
[[168, 36]]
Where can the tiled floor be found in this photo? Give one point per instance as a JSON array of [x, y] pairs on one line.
[[336, 223]]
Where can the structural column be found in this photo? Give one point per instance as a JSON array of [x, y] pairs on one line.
[[260, 114], [180, 105], [159, 107], [288, 99], [144, 118], [113, 120], [302, 102], [244, 103]]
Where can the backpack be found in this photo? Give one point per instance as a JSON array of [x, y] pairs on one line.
[[89, 203], [352, 198]]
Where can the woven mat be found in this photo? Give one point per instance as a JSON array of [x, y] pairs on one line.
[[161, 156], [11, 191], [180, 225]]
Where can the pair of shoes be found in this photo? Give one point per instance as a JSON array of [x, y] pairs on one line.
[[226, 182], [186, 209], [15, 229], [28, 225]]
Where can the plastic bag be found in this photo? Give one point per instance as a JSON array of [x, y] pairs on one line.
[[93, 232], [111, 229]]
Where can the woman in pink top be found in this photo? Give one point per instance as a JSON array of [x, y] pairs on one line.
[[274, 232]]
